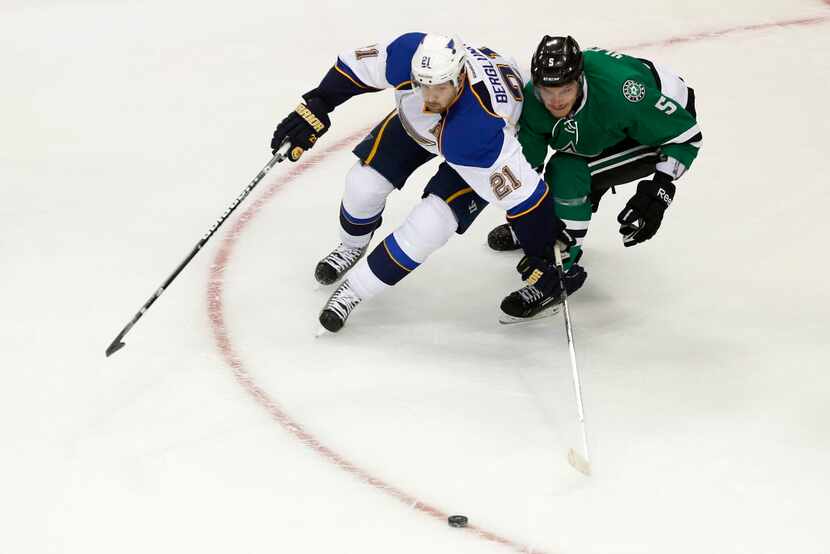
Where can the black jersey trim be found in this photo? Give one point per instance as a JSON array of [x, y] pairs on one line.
[[654, 73], [483, 94], [690, 103]]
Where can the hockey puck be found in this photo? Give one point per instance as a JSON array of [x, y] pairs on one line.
[[457, 521]]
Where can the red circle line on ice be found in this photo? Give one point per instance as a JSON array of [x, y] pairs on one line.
[[225, 346], [223, 342]]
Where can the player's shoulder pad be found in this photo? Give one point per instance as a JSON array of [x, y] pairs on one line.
[[472, 135], [399, 55], [619, 80]]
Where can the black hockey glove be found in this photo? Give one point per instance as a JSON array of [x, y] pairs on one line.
[[302, 127], [541, 271], [643, 213], [564, 241], [596, 195]]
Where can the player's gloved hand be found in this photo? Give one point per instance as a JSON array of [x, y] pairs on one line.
[[643, 213], [596, 195], [302, 127], [541, 271], [564, 240]]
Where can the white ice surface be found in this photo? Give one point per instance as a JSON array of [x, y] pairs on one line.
[[127, 128]]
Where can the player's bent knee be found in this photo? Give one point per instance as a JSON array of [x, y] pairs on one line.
[[427, 228], [366, 191]]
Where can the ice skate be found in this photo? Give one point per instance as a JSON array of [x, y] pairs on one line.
[[338, 308], [530, 303], [502, 238], [332, 267]]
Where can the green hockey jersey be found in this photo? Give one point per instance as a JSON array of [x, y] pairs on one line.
[[622, 97]]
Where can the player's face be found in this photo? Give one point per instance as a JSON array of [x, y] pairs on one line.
[[559, 100], [437, 98]]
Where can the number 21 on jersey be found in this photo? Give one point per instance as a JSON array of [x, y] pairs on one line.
[[504, 182]]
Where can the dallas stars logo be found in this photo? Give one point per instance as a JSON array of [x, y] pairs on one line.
[[572, 127], [569, 148], [633, 91]]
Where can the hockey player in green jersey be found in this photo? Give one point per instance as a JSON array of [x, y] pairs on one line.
[[611, 119]]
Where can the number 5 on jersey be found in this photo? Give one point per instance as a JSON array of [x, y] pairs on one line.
[[665, 105], [504, 182]]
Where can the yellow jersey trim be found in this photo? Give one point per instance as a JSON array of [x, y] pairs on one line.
[[391, 257], [349, 77], [536, 205], [497, 116], [459, 193], [374, 150]]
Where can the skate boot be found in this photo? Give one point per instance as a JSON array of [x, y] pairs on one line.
[[530, 303], [502, 238], [341, 259], [338, 308]]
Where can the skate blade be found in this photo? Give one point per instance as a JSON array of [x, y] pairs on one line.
[[320, 286], [505, 319], [579, 463]]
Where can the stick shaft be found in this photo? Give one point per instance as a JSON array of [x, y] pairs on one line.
[[577, 382], [279, 156]]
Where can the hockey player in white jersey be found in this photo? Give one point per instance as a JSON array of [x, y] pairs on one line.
[[454, 101]]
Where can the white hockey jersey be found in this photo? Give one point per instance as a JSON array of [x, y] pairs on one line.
[[477, 133]]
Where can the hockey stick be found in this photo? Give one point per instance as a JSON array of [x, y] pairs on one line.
[[117, 344], [581, 462]]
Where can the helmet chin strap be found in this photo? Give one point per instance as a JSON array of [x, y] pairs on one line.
[[459, 82], [580, 95], [459, 87]]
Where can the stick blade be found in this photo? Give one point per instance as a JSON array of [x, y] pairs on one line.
[[115, 347], [579, 462]]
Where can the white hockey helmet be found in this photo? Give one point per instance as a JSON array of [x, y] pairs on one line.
[[438, 59]]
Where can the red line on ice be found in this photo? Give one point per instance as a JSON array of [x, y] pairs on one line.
[[223, 342], [730, 31]]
